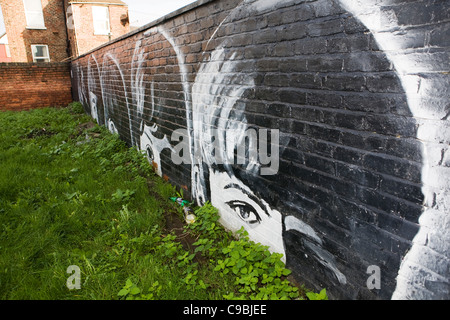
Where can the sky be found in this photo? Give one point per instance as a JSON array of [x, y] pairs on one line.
[[141, 11], [144, 11]]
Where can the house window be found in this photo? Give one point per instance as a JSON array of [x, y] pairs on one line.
[[34, 14], [40, 53], [101, 20]]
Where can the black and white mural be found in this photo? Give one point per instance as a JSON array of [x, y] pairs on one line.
[[312, 124]]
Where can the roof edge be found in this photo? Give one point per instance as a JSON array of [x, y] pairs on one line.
[[98, 2]]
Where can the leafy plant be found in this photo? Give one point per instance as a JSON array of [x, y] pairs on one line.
[[257, 273], [122, 196], [132, 292], [322, 295]]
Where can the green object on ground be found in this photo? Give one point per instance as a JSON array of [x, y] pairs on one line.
[[180, 201]]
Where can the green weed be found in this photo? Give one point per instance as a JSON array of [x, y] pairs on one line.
[[322, 295], [257, 273]]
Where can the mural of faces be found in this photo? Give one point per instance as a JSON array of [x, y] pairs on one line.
[[216, 106]]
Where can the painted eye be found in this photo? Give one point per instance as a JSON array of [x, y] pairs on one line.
[[245, 212]]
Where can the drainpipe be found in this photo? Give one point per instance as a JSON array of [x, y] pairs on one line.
[[69, 51], [109, 18]]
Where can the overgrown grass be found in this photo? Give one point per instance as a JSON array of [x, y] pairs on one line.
[[71, 193]]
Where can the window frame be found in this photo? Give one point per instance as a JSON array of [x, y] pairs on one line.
[[34, 58], [28, 18], [103, 32]]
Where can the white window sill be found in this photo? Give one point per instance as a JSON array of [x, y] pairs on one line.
[[36, 28], [101, 34]]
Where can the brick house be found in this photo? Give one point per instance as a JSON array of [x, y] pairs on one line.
[[57, 30], [91, 23], [35, 30]]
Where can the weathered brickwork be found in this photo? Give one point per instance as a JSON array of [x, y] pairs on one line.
[[359, 93], [29, 85]]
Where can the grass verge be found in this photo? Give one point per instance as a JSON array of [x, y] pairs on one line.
[[71, 193]]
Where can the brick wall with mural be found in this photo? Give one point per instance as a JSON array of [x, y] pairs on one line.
[[319, 126], [30, 85]]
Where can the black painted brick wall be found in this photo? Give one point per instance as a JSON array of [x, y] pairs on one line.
[[351, 161]]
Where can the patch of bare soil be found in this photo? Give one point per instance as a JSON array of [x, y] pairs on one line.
[[39, 133], [84, 128], [174, 223]]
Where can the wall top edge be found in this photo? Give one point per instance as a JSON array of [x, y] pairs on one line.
[[33, 64], [154, 23]]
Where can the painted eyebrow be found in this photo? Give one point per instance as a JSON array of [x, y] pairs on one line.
[[248, 194]]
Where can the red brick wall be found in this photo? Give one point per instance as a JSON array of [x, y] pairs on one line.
[[83, 36], [20, 38], [26, 86]]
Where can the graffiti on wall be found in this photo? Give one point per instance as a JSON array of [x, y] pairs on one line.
[[217, 123], [418, 90]]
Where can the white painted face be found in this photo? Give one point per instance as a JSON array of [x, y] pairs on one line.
[[153, 146], [93, 104], [112, 127], [239, 207]]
